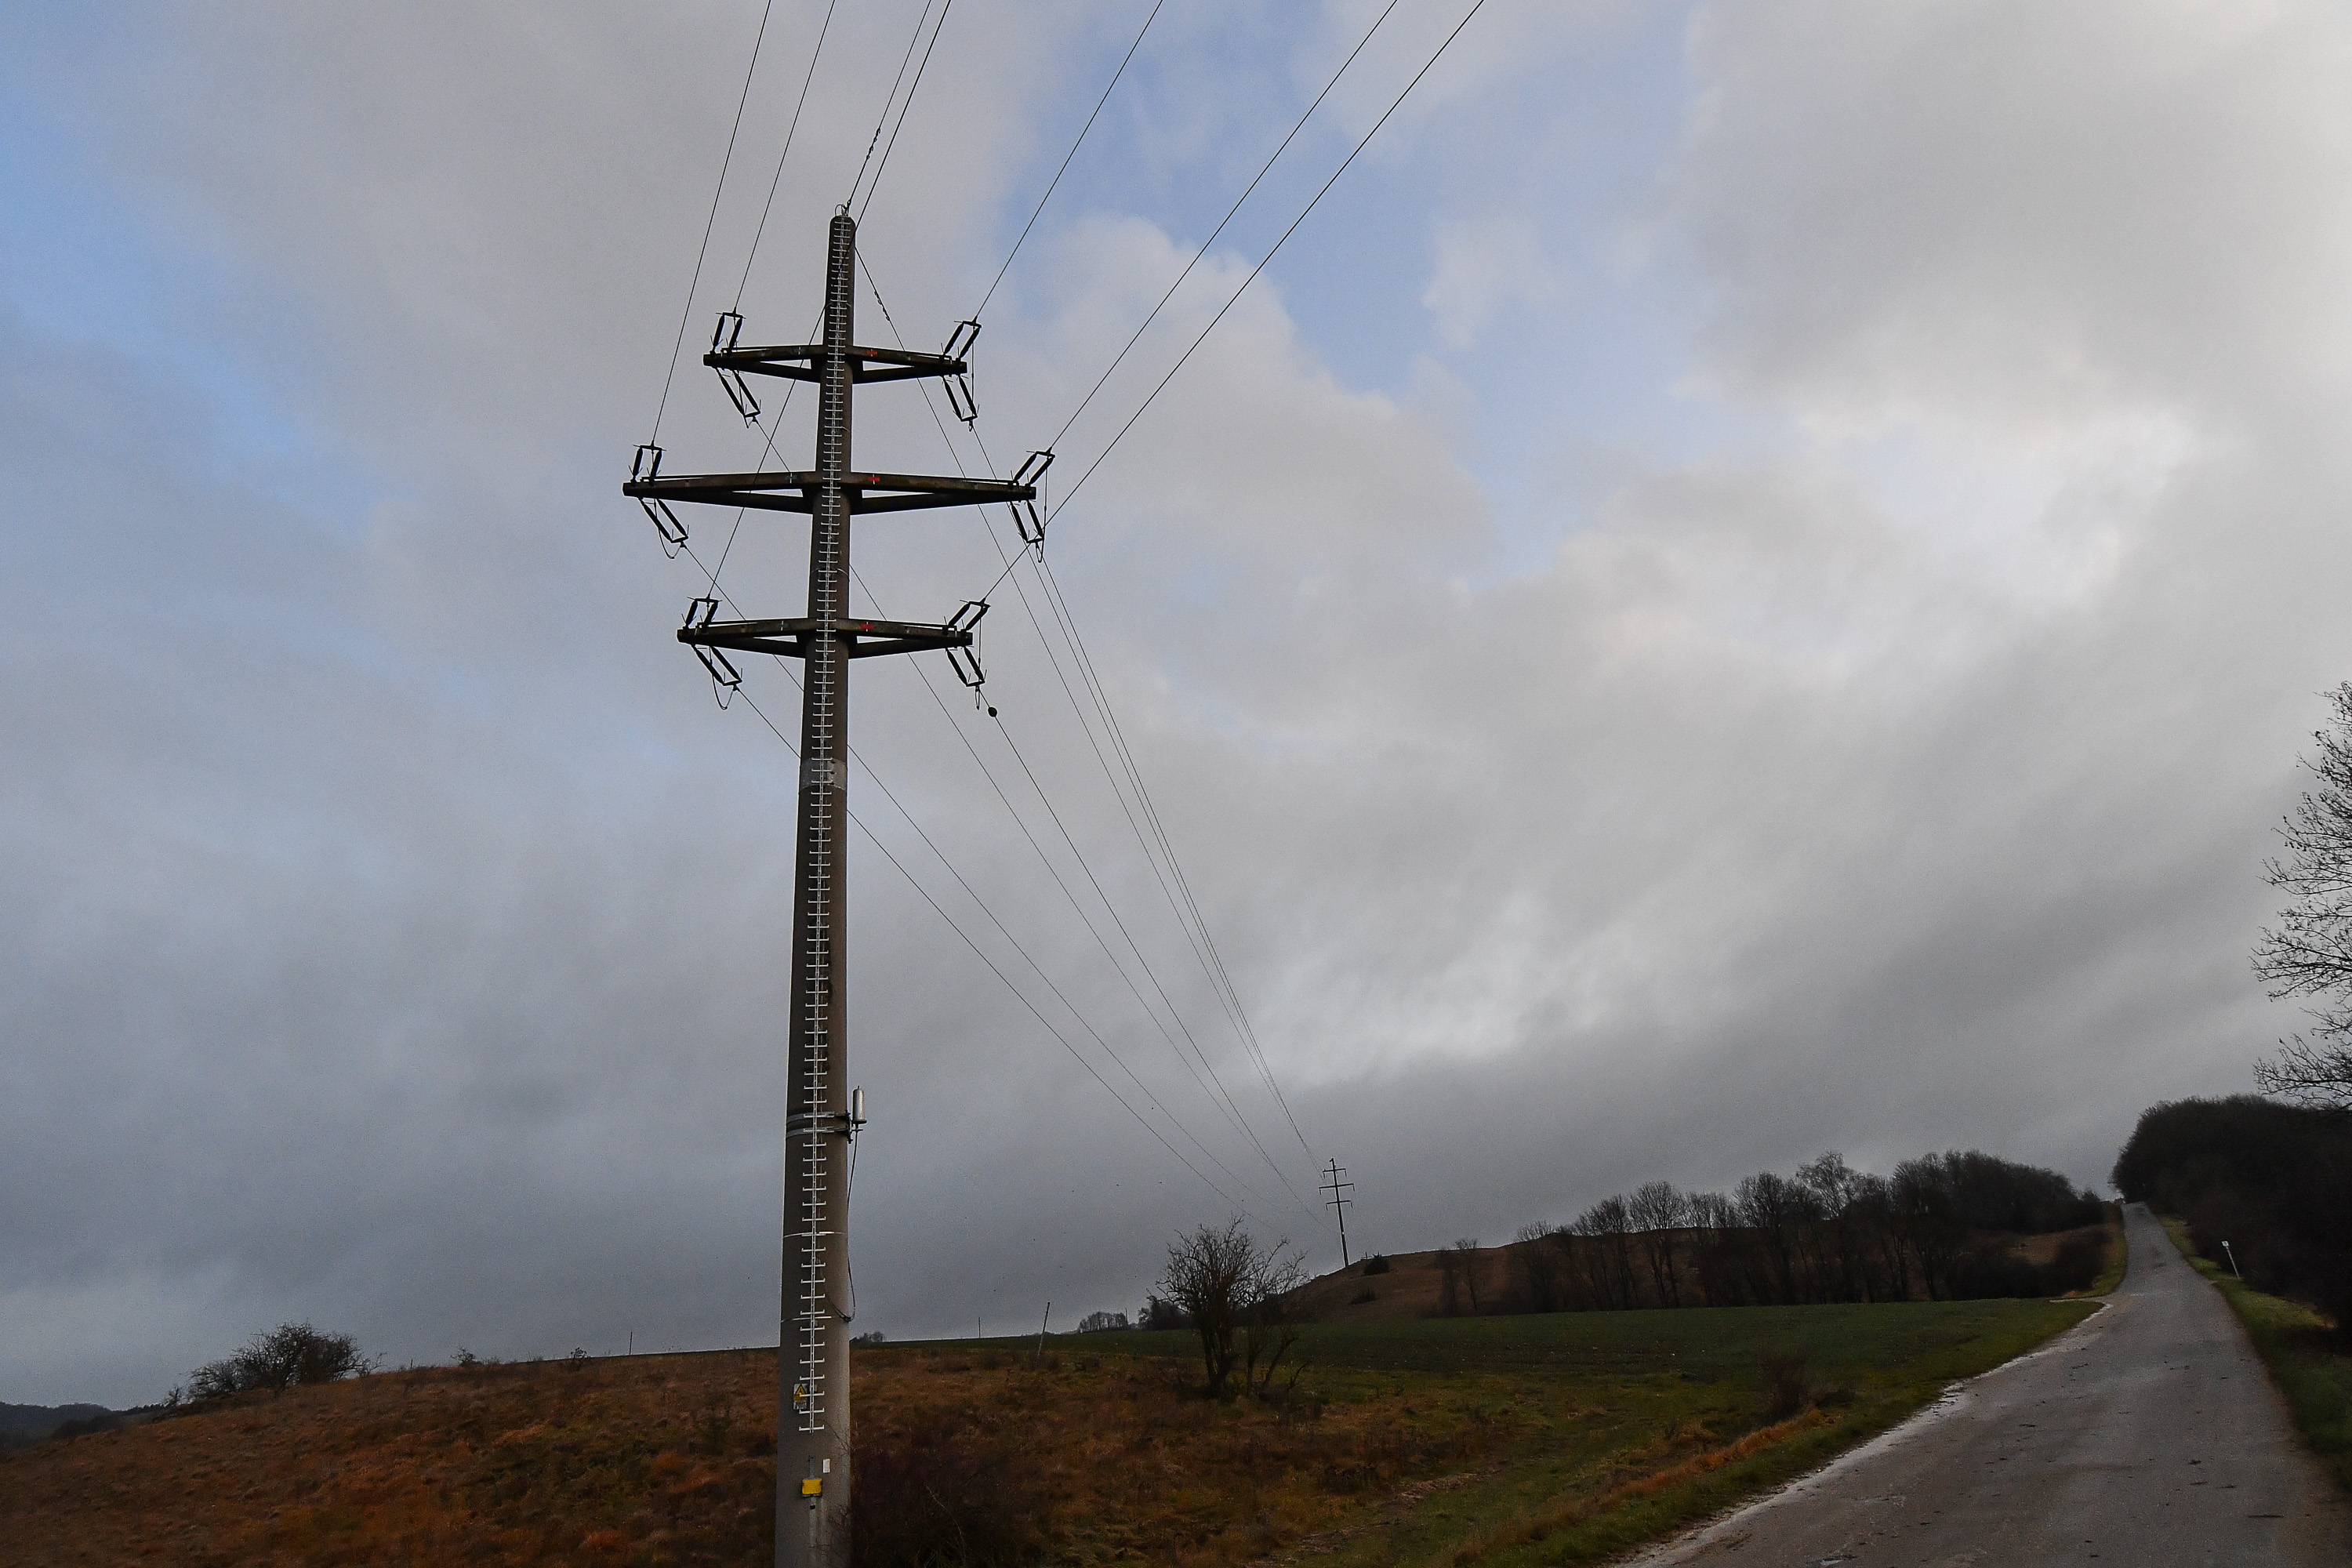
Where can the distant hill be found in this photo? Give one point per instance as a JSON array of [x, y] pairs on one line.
[[22, 1425], [1409, 1288]]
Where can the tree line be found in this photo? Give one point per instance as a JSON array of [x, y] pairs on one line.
[[2273, 1182], [1940, 1229]]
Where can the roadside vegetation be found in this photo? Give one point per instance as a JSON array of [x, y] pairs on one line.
[[2264, 1184], [1502, 1440]]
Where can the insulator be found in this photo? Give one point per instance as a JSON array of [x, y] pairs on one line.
[[739, 392], [722, 670], [1031, 522], [961, 401], [665, 523]]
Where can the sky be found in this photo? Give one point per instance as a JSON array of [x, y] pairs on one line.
[[1747, 581]]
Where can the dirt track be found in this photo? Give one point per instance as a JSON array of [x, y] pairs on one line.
[[2149, 1435]]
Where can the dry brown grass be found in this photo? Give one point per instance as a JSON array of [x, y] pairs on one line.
[[1515, 1440], [653, 1459], [669, 1459]]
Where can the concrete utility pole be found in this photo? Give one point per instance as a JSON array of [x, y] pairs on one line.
[[812, 1475], [1337, 1188]]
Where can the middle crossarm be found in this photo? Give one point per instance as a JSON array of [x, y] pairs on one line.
[[797, 362], [788, 491]]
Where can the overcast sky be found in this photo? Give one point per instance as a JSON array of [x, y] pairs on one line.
[[1751, 581]]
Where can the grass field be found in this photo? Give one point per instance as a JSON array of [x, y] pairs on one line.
[[1497, 1440], [2311, 1365]]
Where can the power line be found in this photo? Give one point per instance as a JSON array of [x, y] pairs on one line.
[[876, 140], [1239, 1120], [1018, 822], [1213, 964], [993, 968], [789, 131], [1045, 573], [1203, 249], [687, 313], [1221, 981], [1108, 1050], [1229, 1106], [1072, 493], [913, 88], [1072, 152]]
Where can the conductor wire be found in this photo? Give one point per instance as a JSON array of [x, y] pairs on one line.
[[1072, 493], [1072, 152], [686, 314]]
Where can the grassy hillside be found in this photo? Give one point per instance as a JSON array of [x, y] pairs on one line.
[[1412, 1285], [1504, 1440]]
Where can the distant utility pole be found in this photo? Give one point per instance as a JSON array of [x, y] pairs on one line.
[[813, 1349], [1339, 1200]]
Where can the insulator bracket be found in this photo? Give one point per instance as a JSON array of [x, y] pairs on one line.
[[723, 339], [646, 466]]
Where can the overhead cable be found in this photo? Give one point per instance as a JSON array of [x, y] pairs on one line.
[[1072, 152], [686, 314], [914, 88], [789, 131], [1203, 249], [1108, 1050], [1228, 1106], [1071, 493], [1018, 995], [884, 119]]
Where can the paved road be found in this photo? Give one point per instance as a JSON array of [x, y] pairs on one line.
[[2147, 1435]]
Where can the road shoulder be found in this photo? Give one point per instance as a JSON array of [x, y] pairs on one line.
[[2310, 1366]]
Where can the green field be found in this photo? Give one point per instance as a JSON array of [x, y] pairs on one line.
[[2312, 1366]]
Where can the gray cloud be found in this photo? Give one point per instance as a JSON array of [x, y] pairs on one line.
[[1882, 761]]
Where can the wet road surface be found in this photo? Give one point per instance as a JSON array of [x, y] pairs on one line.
[[2148, 1434]]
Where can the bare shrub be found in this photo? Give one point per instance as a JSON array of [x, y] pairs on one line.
[[1230, 1288], [1785, 1388], [286, 1355], [938, 1500]]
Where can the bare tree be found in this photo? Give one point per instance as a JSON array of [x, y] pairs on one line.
[[2311, 1075], [1659, 1213], [1717, 1238], [2309, 953], [1777, 1211], [1837, 1187], [1231, 1287], [1534, 1261], [1608, 1226]]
